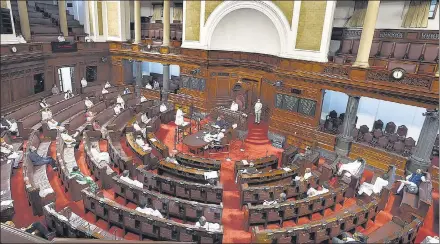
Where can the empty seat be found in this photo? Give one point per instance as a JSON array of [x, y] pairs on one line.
[[346, 46], [374, 49], [415, 51], [390, 128], [431, 53], [400, 50], [386, 49], [355, 47]]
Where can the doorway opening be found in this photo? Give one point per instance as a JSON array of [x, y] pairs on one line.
[[38, 83], [66, 77]]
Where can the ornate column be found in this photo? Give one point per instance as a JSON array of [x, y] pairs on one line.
[[420, 159], [137, 22], [24, 20], [63, 17], [367, 35], [138, 77], [345, 138], [166, 23], [166, 81]]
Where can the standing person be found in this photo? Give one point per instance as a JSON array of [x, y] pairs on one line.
[[55, 90], [83, 82], [120, 101], [38, 160], [258, 107], [88, 103], [234, 106], [107, 85]]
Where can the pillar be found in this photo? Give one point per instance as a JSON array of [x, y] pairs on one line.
[[345, 138], [63, 17], [166, 23], [420, 159], [367, 34], [166, 81], [24, 20], [138, 77], [137, 22]]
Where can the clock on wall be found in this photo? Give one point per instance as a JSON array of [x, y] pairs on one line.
[[397, 73], [13, 49]]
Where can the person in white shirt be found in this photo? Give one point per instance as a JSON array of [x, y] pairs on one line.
[[142, 144], [10, 125], [88, 103], [125, 177], [430, 239], [83, 82], [88, 38], [46, 114], [14, 156], [104, 91], [144, 118], [21, 39], [127, 91], [107, 85], [156, 85], [120, 101], [220, 135], [307, 174], [149, 211], [89, 115], [61, 38], [55, 90], [369, 189], [43, 103], [117, 109], [202, 223], [258, 109], [54, 125], [179, 117], [352, 168], [283, 198], [412, 182], [234, 106], [99, 156], [68, 94], [163, 108], [143, 99], [148, 86], [68, 139], [137, 128], [314, 192]]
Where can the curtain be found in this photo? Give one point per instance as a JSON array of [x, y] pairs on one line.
[[357, 19], [417, 14], [177, 13], [157, 12]]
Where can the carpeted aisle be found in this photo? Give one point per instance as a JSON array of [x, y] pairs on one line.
[[256, 145]]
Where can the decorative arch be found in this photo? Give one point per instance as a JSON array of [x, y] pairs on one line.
[[266, 7]]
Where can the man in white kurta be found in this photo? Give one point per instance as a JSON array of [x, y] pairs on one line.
[[68, 95], [14, 156], [138, 128], [307, 174], [143, 99], [43, 103], [120, 101], [88, 103], [202, 223], [107, 85], [117, 109], [179, 117], [375, 188], [54, 125], [156, 85], [69, 140], [46, 114], [148, 86], [141, 143], [61, 38], [352, 168], [314, 192], [258, 109], [83, 82], [234, 106], [104, 91], [125, 177], [163, 108], [11, 125], [149, 211], [99, 156], [144, 118]]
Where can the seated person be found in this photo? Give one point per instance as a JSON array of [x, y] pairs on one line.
[[61, 38], [125, 177], [149, 211], [179, 118], [300, 156], [68, 94], [120, 101], [137, 128], [70, 140], [43, 103], [54, 125], [142, 143], [369, 188], [98, 155], [171, 160], [412, 182], [38, 160], [10, 125], [148, 86], [97, 127], [104, 91], [89, 115], [220, 122], [107, 85], [314, 192], [8, 152], [117, 109], [163, 108], [83, 82], [202, 223], [307, 174], [353, 168], [127, 91], [283, 198], [88, 38], [82, 178], [55, 90], [88, 103], [143, 99], [430, 239], [220, 135], [144, 118], [46, 114], [36, 229], [156, 85], [346, 238], [234, 106]]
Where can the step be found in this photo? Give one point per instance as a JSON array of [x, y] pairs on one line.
[[257, 142]]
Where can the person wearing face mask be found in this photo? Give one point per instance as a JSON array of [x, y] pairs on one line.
[[412, 182]]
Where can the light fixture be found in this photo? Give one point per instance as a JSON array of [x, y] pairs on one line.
[[278, 83], [104, 59]]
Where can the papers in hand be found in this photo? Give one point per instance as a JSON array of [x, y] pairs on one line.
[[245, 162], [211, 175]]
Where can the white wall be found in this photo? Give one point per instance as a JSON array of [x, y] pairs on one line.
[[333, 100], [390, 16], [246, 30], [150, 67], [67, 80]]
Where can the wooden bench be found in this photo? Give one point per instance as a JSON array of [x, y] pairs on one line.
[[63, 117], [118, 155], [198, 162], [259, 178], [32, 107], [417, 204], [147, 158], [146, 225], [396, 231], [167, 205], [37, 186], [259, 163], [180, 188], [7, 203], [158, 145], [192, 174]]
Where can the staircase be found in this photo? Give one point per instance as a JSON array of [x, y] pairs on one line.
[[257, 134]]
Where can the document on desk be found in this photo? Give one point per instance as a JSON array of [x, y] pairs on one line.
[[210, 175], [153, 139], [245, 162], [287, 169]]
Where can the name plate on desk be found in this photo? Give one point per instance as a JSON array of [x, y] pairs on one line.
[[64, 47]]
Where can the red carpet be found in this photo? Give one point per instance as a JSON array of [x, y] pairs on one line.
[[255, 146]]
